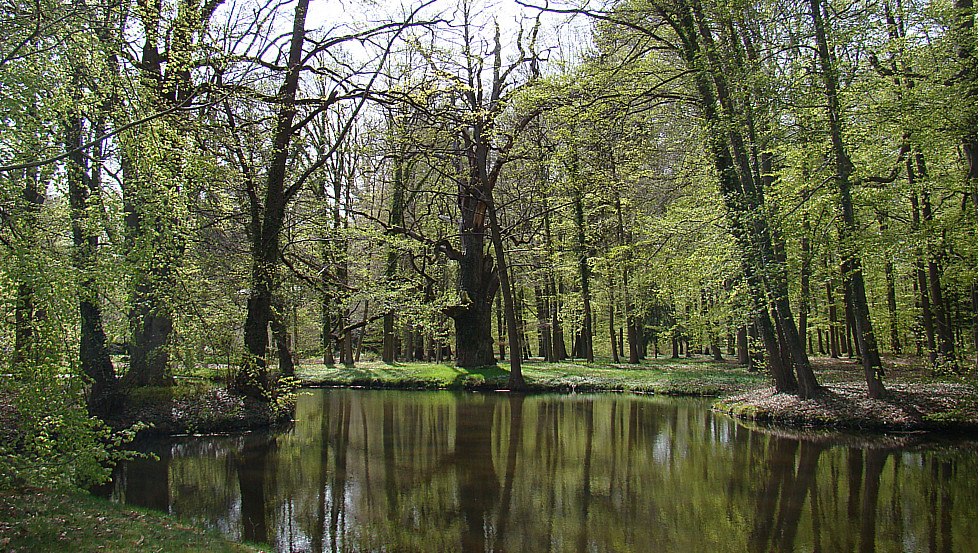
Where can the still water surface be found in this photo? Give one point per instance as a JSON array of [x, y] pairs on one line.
[[441, 471]]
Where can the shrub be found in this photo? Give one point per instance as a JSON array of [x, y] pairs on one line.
[[48, 438]]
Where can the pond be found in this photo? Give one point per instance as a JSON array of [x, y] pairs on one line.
[[442, 471]]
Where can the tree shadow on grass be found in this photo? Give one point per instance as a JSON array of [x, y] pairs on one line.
[[480, 378]]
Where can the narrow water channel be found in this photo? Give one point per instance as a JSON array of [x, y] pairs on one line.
[[442, 471]]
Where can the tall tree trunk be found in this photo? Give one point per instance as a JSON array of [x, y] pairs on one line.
[[966, 51], [27, 314], [585, 350], [280, 332], [552, 291], [742, 346], [833, 328], [545, 349], [516, 380], [326, 328], [478, 282], [153, 183], [791, 337], [94, 357], [340, 260], [612, 321], [849, 339], [501, 328], [945, 348], [557, 333], [266, 221], [395, 219], [521, 307], [805, 262], [632, 330], [896, 345], [921, 282], [850, 258], [150, 234]]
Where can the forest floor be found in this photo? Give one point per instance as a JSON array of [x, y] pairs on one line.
[[916, 399], [34, 519]]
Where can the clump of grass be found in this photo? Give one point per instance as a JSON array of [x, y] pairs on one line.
[[741, 410], [34, 519]]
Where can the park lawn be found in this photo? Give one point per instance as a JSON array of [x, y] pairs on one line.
[[696, 376], [34, 519]]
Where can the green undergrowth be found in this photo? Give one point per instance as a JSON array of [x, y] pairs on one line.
[[664, 376], [34, 519]]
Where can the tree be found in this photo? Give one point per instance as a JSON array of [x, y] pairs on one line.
[[850, 258], [483, 98], [269, 195], [157, 159]]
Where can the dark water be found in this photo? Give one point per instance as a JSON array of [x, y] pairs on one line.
[[441, 471]]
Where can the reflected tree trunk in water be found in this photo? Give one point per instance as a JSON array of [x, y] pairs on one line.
[[547, 443], [324, 458], [614, 450], [152, 489], [632, 423], [791, 504], [583, 538], [946, 506], [338, 484], [477, 482], [515, 442], [855, 475], [815, 520], [896, 498], [252, 464], [783, 495], [874, 462], [388, 454], [940, 506]]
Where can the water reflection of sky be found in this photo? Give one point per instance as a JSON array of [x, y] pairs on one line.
[[438, 471]]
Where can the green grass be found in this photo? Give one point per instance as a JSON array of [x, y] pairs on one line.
[[665, 376], [45, 520]]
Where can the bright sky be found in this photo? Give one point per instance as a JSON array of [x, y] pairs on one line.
[[557, 31]]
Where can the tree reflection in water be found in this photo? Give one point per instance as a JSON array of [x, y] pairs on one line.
[[475, 474], [413, 471]]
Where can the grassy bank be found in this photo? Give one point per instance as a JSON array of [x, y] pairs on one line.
[[34, 519], [917, 398], [696, 377]]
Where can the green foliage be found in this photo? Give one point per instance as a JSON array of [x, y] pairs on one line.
[[48, 438]]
